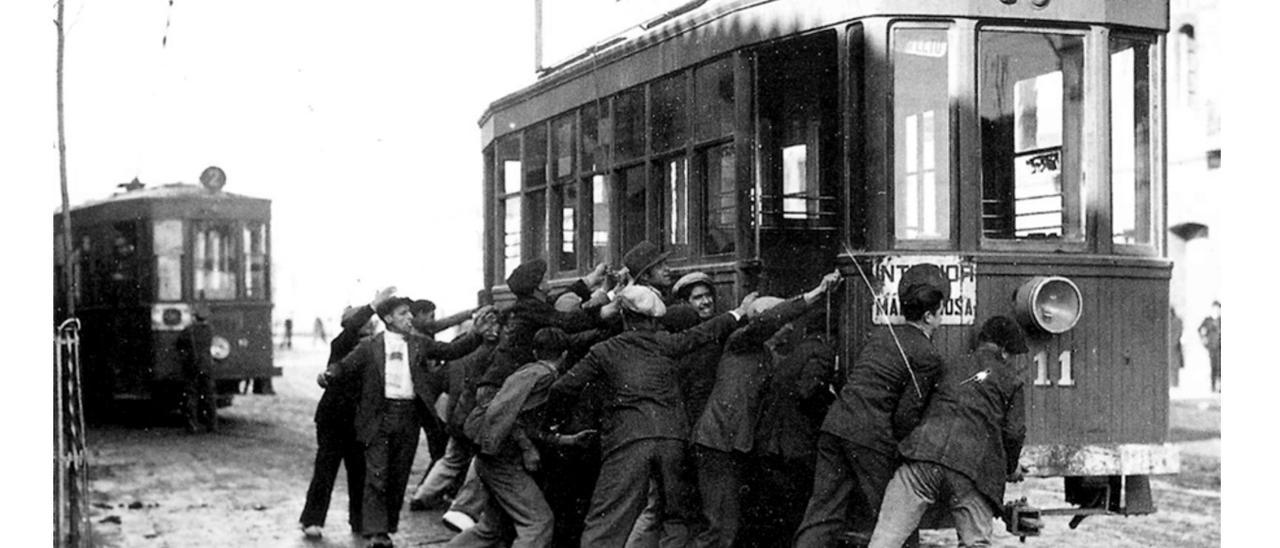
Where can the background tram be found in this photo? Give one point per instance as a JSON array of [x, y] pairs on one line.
[[144, 258], [1018, 144]]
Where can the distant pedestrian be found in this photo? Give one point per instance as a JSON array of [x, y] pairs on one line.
[[318, 330], [1211, 338], [288, 334], [1175, 347], [200, 403]]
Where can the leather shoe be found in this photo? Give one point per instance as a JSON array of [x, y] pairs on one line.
[[381, 540]]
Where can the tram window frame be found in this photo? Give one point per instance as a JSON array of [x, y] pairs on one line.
[[563, 241], [255, 265], [675, 232], [168, 247], [1072, 152], [508, 200], [536, 191], [596, 187], [717, 207], [231, 272], [1146, 223], [947, 210]]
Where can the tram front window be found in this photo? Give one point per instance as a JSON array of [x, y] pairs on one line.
[[167, 244], [1030, 100], [1132, 200], [921, 134], [255, 260], [215, 254]]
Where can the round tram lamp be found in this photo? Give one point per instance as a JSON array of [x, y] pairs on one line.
[[213, 178], [220, 349], [1048, 303]]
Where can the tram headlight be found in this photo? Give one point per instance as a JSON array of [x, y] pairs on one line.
[[220, 348], [1048, 303]]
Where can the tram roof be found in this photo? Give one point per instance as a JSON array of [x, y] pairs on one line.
[[171, 197], [707, 28]]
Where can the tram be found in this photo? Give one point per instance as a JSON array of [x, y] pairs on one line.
[[143, 260], [1018, 144]]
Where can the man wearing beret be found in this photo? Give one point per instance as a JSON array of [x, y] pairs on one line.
[[645, 427], [395, 395], [966, 447], [881, 402], [533, 311]]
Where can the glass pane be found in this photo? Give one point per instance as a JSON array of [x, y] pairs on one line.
[[562, 146], [511, 235], [629, 134], [509, 165], [255, 260], [670, 120], [600, 194], [215, 252], [535, 156], [1031, 107], [567, 197], [536, 224], [713, 99], [1132, 202], [634, 200], [721, 199], [795, 181], [167, 244], [675, 210], [922, 135], [597, 134]]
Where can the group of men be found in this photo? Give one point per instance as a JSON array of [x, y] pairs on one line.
[[628, 412]]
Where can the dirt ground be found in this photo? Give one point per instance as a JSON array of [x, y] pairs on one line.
[[153, 485]]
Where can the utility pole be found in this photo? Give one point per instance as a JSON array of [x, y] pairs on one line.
[[68, 272]]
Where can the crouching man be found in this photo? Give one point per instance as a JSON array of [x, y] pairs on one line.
[[966, 447]]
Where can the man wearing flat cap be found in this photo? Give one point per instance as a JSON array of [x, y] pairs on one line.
[[645, 426], [967, 446], [881, 402], [396, 394]]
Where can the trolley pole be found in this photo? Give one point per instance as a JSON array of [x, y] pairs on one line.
[[68, 271]]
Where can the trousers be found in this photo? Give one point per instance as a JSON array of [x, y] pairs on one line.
[[336, 446], [914, 487], [514, 501], [388, 459], [622, 492], [848, 484]]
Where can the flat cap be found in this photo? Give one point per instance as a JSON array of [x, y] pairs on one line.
[[643, 300], [385, 308], [1005, 332], [920, 277], [422, 306], [687, 282]]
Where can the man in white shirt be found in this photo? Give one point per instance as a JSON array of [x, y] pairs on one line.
[[396, 396]]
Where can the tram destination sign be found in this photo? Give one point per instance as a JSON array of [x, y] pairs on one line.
[[958, 310]]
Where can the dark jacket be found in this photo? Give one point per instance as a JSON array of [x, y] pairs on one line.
[[637, 367], [795, 400], [975, 427], [338, 403], [729, 421], [368, 363], [525, 317], [193, 348], [878, 405], [462, 375]]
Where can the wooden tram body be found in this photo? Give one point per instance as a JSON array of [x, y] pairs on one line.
[[144, 259], [764, 142]]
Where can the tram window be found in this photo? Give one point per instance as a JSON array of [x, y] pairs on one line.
[[597, 134], [167, 245], [1031, 103], [255, 260], [215, 252], [922, 134], [562, 132], [669, 119], [629, 129], [634, 198], [1132, 201], [675, 211], [600, 195], [713, 99], [566, 210], [510, 173], [535, 184], [720, 198]]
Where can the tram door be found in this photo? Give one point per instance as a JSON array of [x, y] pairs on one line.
[[798, 163]]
